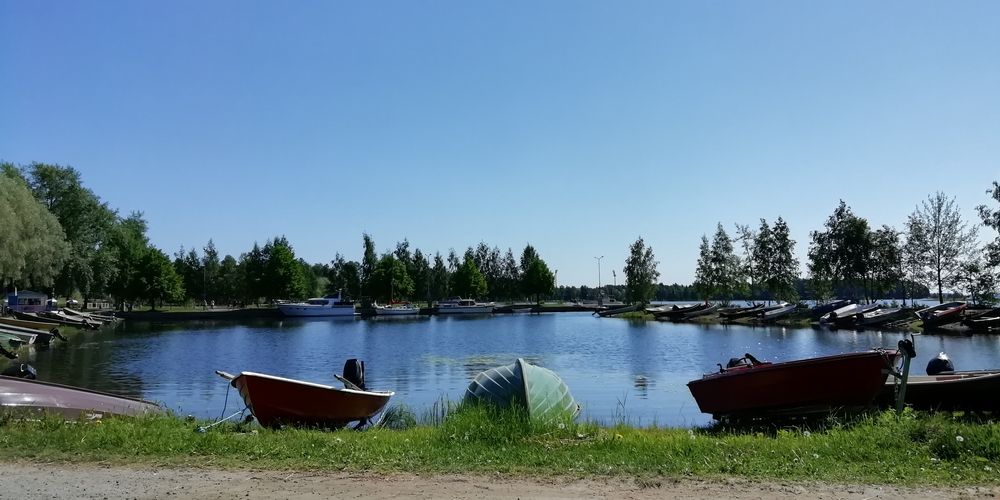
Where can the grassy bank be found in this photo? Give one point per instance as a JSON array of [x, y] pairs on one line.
[[919, 449]]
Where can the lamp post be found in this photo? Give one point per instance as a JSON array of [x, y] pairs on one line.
[[600, 292]]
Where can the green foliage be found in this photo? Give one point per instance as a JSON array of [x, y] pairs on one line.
[[641, 273], [85, 220], [33, 247], [704, 282], [157, 278], [849, 252], [940, 240], [283, 276], [390, 281], [344, 276], [440, 279], [538, 280], [726, 272], [368, 263], [977, 281], [782, 266], [468, 281], [991, 219], [128, 244]]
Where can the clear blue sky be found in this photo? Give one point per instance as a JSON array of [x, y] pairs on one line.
[[575, 126]]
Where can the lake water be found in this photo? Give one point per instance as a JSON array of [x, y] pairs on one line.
[[617, 369]]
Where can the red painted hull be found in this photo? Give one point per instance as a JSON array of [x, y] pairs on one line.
[[794, 387], [275, 401]]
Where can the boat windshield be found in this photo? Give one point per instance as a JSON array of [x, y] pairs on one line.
[[318, 302]]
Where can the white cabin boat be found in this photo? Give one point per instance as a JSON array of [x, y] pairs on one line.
[[463, 306], [328, 305], [397, 310]]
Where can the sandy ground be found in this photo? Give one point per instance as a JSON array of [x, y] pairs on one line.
[[34, 481]]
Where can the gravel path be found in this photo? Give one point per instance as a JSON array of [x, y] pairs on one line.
[[40, 481]]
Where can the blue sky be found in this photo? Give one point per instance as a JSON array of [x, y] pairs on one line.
[[575, 126]]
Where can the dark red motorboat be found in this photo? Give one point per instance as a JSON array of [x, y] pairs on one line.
[[275, 401], [752, 388]]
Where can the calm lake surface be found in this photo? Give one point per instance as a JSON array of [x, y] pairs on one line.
[[617, 369]]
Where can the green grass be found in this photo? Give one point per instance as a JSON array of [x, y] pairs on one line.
[[918, 449]]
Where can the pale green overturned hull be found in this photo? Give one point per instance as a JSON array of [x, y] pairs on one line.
[[538, 390]]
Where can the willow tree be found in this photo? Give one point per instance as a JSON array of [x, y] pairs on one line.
[[33, 247]]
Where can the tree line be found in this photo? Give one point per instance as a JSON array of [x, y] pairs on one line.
[[935, 251]]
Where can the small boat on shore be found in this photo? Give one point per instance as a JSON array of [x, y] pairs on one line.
[[880, 317], [618, 310], [820, 311], [941, 315], [275, 401], [28, 337], [24, 398], [537, 390], [679, 310], [850, 318], [741, 312], [20, 323], [778, 313], [751, 388], [704, 311], [986, 321]]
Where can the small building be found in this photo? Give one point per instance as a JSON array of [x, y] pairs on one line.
[[27, 301]]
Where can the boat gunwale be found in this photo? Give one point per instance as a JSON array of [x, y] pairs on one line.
[[83, 389], [793, 363], [312, 384]]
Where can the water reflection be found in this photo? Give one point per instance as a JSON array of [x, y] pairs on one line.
[[613, 367]]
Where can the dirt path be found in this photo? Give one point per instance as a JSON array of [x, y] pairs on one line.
[[33, 481]]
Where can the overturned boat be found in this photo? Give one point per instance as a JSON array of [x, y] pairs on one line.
[[537, 390], [23, 397]]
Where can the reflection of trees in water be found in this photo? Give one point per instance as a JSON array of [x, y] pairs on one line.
[[642, 385], [88, 360]]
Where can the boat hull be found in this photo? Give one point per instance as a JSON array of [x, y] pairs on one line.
[[315, 311], [794, 387], [34, 325], [32, 398], [961, 391], [465, 310], [410, 311], [277, 401], [538, 390]]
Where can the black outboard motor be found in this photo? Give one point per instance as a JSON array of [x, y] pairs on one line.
[[940, 365], [354, 371], [19, 371]]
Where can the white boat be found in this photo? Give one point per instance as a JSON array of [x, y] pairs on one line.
[[463, 306], [398, 310], [328, 305]]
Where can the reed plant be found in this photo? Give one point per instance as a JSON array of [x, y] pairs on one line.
[[881, 448]]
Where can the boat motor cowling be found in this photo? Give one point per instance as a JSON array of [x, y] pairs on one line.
[[20, 370], [354, 371], [940, 365]]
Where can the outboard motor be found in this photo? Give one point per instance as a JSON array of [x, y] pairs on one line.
[[734, 362], [354, 371], [19, 371], [940, 365]]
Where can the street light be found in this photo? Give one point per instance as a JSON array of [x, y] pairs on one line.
[[599, 291]]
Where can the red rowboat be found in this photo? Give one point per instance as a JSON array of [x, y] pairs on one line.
[[794, 387], [275, 401]]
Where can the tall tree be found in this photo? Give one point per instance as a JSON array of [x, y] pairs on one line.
[[944, 239], [440, 278], [784, 267], [840, 253], [129, 244], [230, 281], [33, 247], [210, 270], [641, 273], [390, 282], [746, 238], [991, 219], [368, 262], [704, 281], [762, 254], [252, 266], [421, 276], [158, 280], [282, 272], [726, 273], [528, 255], [538, 280], [511, 282], [468, 281], [83, 217]]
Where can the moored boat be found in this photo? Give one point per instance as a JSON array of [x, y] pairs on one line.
[[328, 305], [25, 398], [851, 317], [954, 391], [822, 310], [275, 401], [985, 321], [397, 310], [881, 316], [753, 388], [680, 310], [539, 391], [21, 323], [463, 306], [942, 314]]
